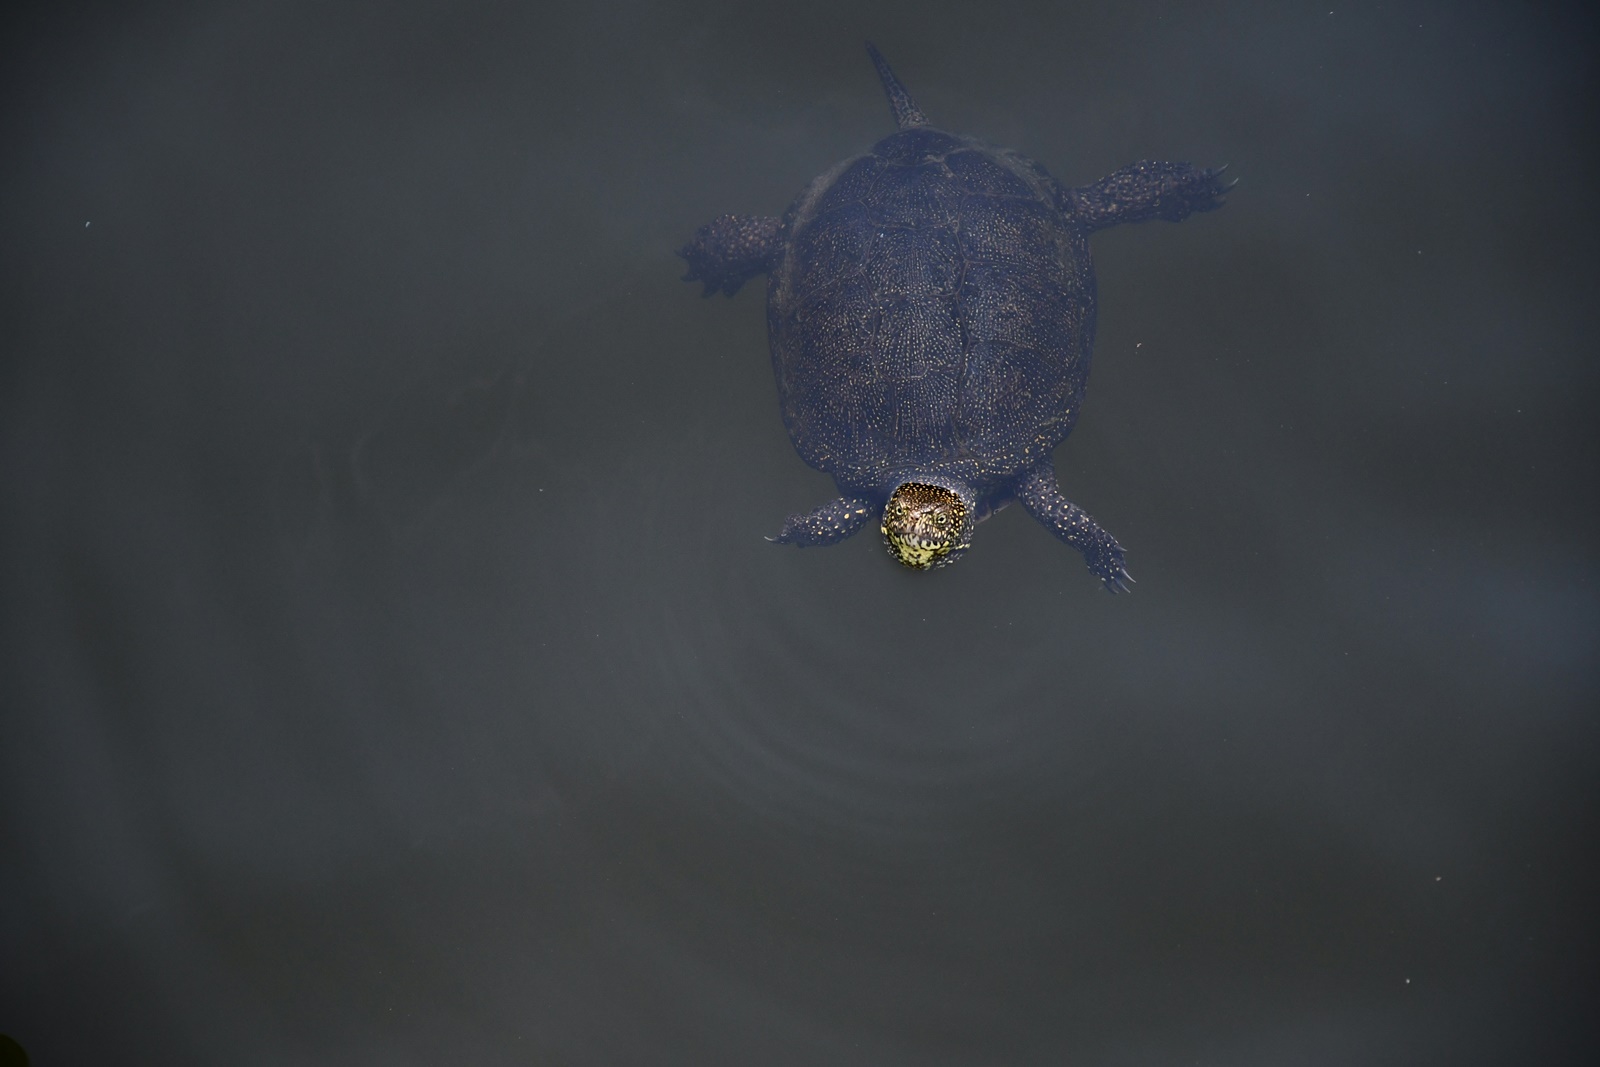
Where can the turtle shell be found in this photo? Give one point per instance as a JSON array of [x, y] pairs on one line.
[[932, 310]]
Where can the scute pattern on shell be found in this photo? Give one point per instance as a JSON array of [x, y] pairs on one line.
[[930, 314], [932, 309]]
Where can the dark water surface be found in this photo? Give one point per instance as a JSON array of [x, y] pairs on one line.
[[395, 670]]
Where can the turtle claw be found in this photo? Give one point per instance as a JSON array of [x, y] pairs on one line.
[[1117, 583], [708, 271], [729, 250], [1150, 189], [829, 524], [694, 274], [1211, 192]]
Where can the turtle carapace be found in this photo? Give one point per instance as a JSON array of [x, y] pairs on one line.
[[930, 311]]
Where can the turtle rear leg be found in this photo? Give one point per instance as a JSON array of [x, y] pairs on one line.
[[1147, 190], [828, 525], [1042, 497], [730, 249]]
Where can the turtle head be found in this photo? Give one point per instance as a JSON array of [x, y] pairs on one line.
[[927, 524]]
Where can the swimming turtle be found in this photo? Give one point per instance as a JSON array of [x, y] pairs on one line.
[[930, 311]]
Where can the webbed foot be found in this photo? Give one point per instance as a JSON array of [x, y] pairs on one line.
[[827, 525], [731, 249], [1149, 190], [1042, 498], [1118, 582], [1100, 551]]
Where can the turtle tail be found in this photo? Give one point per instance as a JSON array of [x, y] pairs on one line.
[[906, 112]]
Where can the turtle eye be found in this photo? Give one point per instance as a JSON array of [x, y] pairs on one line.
[[941, 518]]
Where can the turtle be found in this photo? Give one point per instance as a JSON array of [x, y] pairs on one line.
[[930, 316]]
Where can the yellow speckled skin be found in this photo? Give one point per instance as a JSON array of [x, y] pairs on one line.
[[925, 526], [930, 314]]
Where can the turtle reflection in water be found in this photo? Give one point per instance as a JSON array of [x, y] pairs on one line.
[[930, 310]]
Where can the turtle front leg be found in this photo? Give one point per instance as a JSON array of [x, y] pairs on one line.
[[1040, 495], [730, 249], [1147, 190], [828, 525]]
